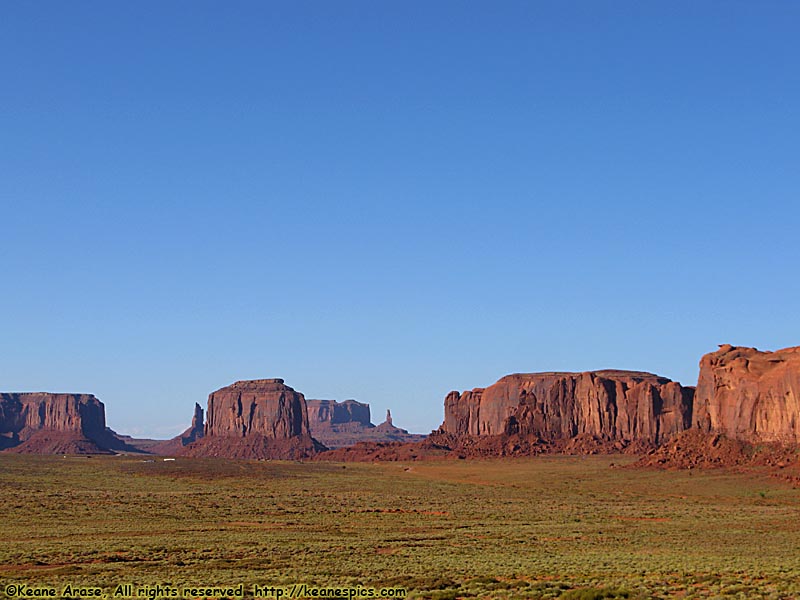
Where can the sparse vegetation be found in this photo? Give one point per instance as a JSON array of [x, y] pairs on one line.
[[549, 527], [594, 594]]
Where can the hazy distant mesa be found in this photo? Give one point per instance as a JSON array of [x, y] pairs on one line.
[[261, 418], [742, 393], [338, 424]]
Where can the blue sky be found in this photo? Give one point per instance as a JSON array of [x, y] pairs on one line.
[[389, 200]]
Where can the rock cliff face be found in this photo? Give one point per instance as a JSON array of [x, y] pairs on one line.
[[28, 412], [263, 418], [750, 395], [339, 424], [262, 406], [330, 412], [46, 423], [197, 428], [606, 405]]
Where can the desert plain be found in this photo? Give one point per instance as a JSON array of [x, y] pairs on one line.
[[534, 527]]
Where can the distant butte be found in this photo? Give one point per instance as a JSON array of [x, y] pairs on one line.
[[262, 418], [534, 413], [745, 396], [46, 423], [338, 424], [552, 406]]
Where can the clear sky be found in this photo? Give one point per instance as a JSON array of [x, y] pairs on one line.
[[389, 200]]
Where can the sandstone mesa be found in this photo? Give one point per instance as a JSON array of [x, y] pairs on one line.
[[262, 418], [44, 423], [337, 424], [746, 395], [750, 395], [608, 405]]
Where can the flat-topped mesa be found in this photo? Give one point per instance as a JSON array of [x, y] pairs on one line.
[[338, 424], [323, 413], [553, 406], [750, 395], [262, 418], [251, 383], [32, 411], [47, 423], [262, 406]]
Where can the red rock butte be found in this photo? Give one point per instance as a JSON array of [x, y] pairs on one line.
[[743, 394], [46, 423], [332, 412], [338, 424], [261, 418], [607, 405], [750, 395]]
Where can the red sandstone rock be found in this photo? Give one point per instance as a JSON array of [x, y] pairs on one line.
[[598, 412], [28, 412], [750, 395], [330, 412], [48, 441], [696, 449], [263, 406], [262, 418], [389, 432], [255, 446], [605, 405], [385, 451], [439, 445], [45, 423], [339, 424]]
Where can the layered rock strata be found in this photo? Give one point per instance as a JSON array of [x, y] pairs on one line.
[[605, 405], [339, 424], [47, 423], [326, 413], [262, 418], [750, 395]]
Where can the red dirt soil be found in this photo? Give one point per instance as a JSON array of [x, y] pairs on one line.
[[695, 449], [58, 442], [253, 446], [440, 445]]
